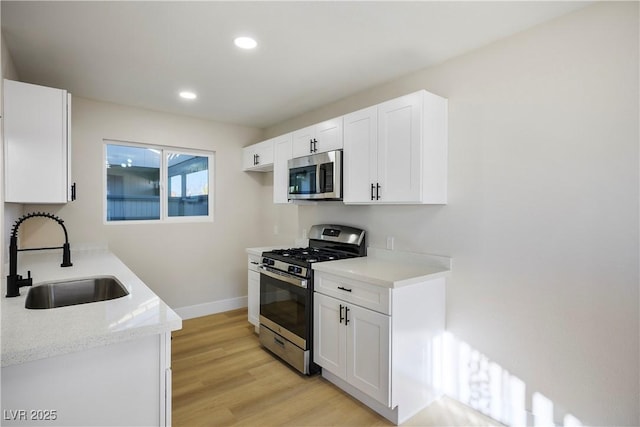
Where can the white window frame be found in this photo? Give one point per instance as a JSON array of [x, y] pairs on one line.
[[164, 185]]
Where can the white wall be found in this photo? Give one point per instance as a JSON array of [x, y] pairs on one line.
[[187, 263], [12, 211], [542, 220]]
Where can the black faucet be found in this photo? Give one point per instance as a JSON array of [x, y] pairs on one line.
[[16, 281]]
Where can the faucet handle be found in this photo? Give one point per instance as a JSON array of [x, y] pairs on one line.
[[25, 282]]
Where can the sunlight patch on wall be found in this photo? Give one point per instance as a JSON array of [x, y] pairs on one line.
[[472, 378]]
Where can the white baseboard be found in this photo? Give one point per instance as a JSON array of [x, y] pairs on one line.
[[211, 307]]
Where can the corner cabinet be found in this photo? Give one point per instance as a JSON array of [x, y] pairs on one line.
[[380, 344], [319, 138], [37, 144], [258, 157], [396, 152]]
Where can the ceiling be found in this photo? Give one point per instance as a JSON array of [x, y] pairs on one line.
[[309, 53]]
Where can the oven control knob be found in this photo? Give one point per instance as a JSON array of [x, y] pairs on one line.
[[291, 269], [298, 270]]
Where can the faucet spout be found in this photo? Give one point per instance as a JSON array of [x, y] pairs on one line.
[[16, 281]]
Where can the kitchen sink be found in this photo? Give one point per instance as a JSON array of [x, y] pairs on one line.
[[72, 292]]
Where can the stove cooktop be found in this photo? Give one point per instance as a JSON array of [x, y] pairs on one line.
[[306, 255]]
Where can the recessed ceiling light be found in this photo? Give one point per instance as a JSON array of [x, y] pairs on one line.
[[188, 95], [245, 42]]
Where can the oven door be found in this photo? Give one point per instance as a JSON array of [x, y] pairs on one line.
[[284, 306]]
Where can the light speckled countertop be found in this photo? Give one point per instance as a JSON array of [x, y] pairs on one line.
[[392, 269], [29, 335]]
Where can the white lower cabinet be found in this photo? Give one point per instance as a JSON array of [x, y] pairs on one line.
[[253, 290], [353, 343], [381, 345], [123, 384]]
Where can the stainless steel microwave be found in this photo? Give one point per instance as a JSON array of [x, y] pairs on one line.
[[316, 177]]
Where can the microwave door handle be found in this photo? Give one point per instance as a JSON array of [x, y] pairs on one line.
[[322, 179]]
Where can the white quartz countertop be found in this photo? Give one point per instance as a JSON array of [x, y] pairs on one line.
[[29, 335], [392, 269]]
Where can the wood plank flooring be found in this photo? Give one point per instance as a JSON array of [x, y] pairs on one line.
[[223, 377]]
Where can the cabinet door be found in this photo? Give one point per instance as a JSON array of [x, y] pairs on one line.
[[319, 138], [329, 136], [329, 334], [249, 157], [360, 155], [258, 157], [368, 352], [302, 141], [400, 149], [282, 151], [36, 143], [253, 297]]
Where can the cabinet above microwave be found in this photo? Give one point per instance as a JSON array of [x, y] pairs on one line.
[[319, 138]]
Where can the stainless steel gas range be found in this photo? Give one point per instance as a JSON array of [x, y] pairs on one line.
[[286, 291]]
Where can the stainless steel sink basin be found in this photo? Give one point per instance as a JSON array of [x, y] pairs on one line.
[[80, 291]]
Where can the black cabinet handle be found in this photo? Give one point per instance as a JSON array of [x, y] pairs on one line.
[[342, 288], [346, 315], [372, 188], [378, 191], [341, 316], [73, 192], [315, 146], [311, 145], [257, 159]]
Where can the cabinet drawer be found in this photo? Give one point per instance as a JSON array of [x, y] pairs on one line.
[[252, 263], [364, 294]]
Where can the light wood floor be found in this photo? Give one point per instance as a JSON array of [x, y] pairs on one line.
[[222, 377]]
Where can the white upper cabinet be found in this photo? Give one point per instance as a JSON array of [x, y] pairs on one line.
[[282, 152], [319, 138], [396, 152], [360, 157], [258, 157], [37, 143]]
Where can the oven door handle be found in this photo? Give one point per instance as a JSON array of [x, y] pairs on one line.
[[296, 281]]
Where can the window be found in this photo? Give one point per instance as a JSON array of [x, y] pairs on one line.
[[150, 183]]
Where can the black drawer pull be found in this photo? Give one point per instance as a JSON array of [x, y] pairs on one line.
[[344, 289]]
